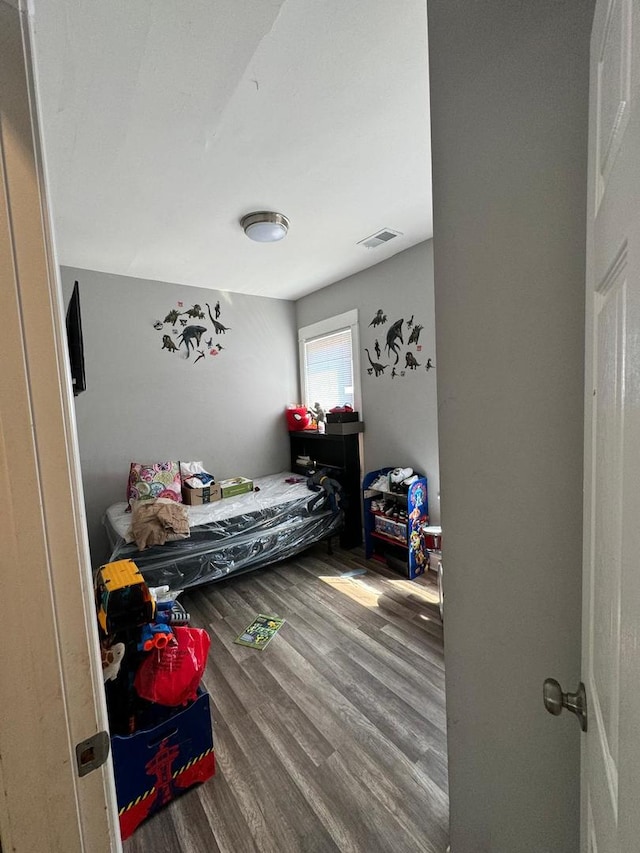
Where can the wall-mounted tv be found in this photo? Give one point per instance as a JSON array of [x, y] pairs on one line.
[[74, 339]]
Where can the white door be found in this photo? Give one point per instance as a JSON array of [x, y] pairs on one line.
[[51, 695], [611, 601]]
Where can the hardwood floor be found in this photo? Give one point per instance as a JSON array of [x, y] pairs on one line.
[[333, 737]]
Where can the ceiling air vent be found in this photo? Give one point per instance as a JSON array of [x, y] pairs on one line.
[[379, 238]]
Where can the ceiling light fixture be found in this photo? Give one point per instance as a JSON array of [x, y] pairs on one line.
[[265, 226]]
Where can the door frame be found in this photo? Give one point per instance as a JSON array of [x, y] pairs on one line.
[[50, 669], [509, 97], [610, 754]]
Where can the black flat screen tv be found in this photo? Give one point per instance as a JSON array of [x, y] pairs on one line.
[[74, 340]]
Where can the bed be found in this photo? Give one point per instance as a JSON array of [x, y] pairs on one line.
[[232, 535]]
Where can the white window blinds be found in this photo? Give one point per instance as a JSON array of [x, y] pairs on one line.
[[328, 366]]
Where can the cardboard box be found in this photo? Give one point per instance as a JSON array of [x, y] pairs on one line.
[[235, 486], [345, 428], [205, 495], [153, 766]]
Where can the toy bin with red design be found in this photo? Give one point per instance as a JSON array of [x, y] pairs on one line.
[[298, 418], [153, 766]]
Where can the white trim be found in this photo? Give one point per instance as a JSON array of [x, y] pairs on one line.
[[347, 320], [51, 689], [330, 324], [97, 800]]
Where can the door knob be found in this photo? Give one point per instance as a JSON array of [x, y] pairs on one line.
[[555, 700]]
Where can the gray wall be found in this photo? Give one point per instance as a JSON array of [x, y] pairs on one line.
[[144, 404], [400, 414], [509, 88]]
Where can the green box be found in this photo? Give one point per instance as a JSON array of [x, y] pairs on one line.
[[236, 486]]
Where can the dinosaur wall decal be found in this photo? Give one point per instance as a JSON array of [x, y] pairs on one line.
[[378, 369], [195, 313], [190, 334], [379, 319], [394, 345], [415, 334], [410, 361], [394, 339]]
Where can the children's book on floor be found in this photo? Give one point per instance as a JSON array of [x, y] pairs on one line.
[[260, 632]]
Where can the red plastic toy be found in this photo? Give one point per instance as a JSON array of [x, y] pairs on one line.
[[298, 417]]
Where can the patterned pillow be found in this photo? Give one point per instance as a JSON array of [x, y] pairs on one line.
[[158, 480]]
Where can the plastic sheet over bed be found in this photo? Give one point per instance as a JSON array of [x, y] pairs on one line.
[[232, 535]]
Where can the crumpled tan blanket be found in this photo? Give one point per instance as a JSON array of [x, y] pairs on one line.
[[156, 521]]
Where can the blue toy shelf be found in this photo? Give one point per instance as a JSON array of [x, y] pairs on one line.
[[397, 541]]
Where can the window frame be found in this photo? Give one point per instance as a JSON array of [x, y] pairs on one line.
[[329, 326]]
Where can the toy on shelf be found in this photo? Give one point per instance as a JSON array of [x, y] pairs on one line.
[[299, 418], [318, 413]]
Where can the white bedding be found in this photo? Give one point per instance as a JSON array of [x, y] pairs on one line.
[[273, 491]]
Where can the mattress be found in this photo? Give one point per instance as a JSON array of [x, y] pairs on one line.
[[231, 535]]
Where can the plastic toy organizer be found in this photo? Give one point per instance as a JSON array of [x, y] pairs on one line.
[[393, 522]]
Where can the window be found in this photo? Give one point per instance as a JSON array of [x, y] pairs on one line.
[[329, 368]]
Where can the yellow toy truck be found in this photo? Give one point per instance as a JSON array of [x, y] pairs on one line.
[[123, 600]]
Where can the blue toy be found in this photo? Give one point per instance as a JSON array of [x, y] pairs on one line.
[[171, 613], [153, 636]]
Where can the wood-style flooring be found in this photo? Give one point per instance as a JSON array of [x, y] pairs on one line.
[[333, 737]]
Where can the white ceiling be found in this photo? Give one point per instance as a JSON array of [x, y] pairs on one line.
[[166, 121]]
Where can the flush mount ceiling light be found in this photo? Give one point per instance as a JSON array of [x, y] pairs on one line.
[[265, 226]]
